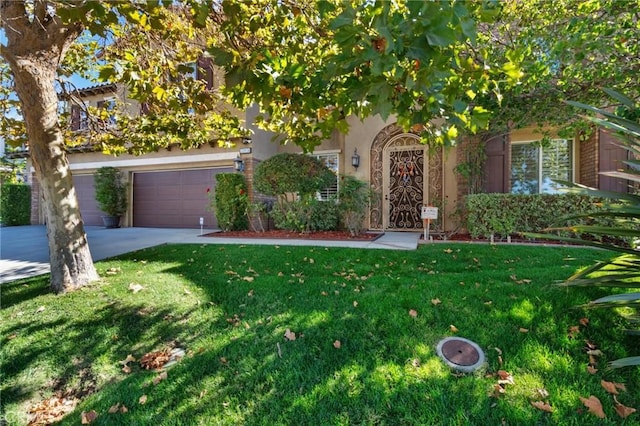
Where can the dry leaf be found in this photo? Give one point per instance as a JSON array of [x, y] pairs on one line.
[[160, 377], [40, 309], [584, 321], [337, 344], [505, 378], [289, 335], [128, 359], [155, 360], [250, 294], [436, 301], [135, 287], [355, 304], [126, 369], [543, 393], [541, 405], [624, 411], [124, 409], [187, 292], [142, 400], [573, 331], [609, 387], [591, 370], [248, 279], [594, 406], [595, 352], [114, 408], [413, 313], [88, 417], [524, 330], [12, 336], [324, 293], [620, 386], [453, 328]]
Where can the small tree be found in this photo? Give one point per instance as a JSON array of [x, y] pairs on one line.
[[111, 191]]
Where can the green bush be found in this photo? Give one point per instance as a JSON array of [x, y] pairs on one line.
[[505, 214], [292, 173], [231, 202], [15, 204], [324, 215], [354, 196], [111, 191], [305, 215]]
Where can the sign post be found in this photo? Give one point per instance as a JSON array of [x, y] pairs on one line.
[[427, 214]]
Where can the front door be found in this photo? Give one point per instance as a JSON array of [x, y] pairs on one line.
[[405, 190]]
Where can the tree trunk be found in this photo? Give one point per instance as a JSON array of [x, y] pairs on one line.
[[34, 59]]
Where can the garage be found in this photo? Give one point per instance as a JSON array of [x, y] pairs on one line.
[[174, 199], [86, 193]]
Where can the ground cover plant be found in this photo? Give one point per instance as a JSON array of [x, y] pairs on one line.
[[309, 335]]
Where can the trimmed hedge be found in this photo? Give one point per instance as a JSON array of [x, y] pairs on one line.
[[231, 202], [15, 204], [506, 214]]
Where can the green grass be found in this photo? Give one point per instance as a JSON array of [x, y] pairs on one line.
[[229, 308]]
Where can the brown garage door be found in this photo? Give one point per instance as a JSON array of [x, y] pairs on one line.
[[174, 199], [86, 192]]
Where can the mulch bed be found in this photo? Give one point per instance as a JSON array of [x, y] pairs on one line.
[[280, 234]]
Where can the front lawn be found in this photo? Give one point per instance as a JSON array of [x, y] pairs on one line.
[[321, 336]]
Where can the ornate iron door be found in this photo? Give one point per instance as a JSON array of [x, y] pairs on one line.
[[406, 188]]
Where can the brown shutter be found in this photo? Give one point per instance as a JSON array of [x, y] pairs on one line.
[[204, 71], [75, 117], [144, 108], [496, 170], [612, 158]]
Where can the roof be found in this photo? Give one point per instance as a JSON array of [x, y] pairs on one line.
[[98, 89]]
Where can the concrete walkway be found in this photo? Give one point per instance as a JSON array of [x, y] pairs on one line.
[[24, 250]]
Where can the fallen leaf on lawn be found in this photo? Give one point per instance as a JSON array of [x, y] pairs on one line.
[[505, 378], [155, 360], [543, 393], [453, 328], [126, 369], [497, 391], [595, 352], [620, 386], [142, 400], [337, 344], [413, 313], [135, 287], [160, 377], [541, 405], [436, 301], [448, 251], [128, 359], [324, 293], [124, 409], [609, 387], [355, 303], [591, 370], [114, 408], [622, 410], [524, 330], [592, 360], [498, 350], [40, 309], [88, 417], [248, 279], [12, 336], [594, 406], [573, 331], [289, 335], [250, 294], [584, 321], [187, 291]]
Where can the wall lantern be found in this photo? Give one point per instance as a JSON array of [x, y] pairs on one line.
[[355, 159], [238, 164]]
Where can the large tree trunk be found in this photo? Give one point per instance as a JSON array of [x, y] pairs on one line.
[[34, 56]]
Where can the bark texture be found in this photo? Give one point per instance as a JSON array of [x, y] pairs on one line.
[[36, 44]]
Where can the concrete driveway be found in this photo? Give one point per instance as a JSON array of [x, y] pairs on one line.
[[24, 250]]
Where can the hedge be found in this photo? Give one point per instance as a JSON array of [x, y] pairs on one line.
[[231, 202], [15, 204], [502, 215]]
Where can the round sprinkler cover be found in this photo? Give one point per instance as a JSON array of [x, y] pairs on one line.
[[460, 354]]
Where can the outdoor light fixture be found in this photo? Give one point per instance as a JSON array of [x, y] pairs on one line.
[[246, 140], [355, 159], [238, 164]]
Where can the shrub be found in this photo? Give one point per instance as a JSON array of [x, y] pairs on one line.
[[354, 196], [292, 173], [111, 191], [231, 202], [505, 214], [15, 204]]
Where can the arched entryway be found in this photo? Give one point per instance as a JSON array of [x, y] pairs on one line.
[[405, 175]]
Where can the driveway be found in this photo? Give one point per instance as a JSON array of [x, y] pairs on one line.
[[24, 250]]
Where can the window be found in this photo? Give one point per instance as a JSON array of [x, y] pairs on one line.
[[109, 105], [535, 165], [331, 162]]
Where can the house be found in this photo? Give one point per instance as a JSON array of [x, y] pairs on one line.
[[171, 187]]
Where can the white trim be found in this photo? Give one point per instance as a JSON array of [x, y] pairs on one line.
[[160, 161]]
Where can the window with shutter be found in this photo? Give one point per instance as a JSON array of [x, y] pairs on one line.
[[535, 166], [331, 162]]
